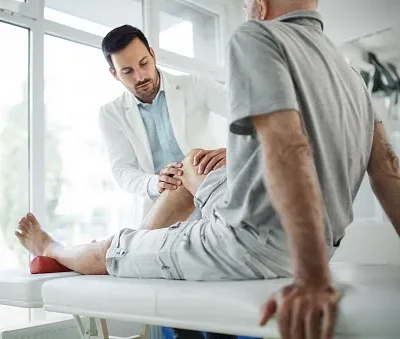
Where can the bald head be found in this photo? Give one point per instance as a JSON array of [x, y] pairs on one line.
[[271, 9]]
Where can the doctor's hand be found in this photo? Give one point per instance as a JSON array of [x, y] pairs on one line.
[[303, 311], [166, 180], [210, 160]]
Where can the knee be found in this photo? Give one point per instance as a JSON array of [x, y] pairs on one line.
[[180, 191], [189, 158], [102, 255], [106, 244], [191, 179]]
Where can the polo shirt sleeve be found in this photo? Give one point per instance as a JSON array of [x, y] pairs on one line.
[[259, 80]]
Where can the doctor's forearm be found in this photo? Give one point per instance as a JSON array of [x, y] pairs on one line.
[[152, 187], [134, 181]]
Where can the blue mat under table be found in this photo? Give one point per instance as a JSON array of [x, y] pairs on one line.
[[168, 334]]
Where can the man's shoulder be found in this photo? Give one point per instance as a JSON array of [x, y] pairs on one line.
[[177, 80], [189, 83], [251, 27], [254, 34]]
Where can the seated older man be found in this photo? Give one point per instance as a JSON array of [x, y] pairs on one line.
[[303, 134]]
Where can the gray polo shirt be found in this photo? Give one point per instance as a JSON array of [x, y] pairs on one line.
[[289, 64]]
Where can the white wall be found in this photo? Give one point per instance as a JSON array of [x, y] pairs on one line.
[[371, 238], [105, 12], [346, 20], [235, 12], [369, 242]]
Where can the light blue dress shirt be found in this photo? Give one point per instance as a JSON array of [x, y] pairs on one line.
[[164, 147]]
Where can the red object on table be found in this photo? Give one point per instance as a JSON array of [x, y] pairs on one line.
[[41, 265]]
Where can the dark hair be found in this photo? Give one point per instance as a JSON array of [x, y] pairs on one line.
[[119, 38]]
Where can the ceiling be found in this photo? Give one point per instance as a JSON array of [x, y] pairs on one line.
[[371, 25], [108, 13], [385, 44]]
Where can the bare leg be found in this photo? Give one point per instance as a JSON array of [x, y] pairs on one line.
[[84, 259], [90, 259], [191, 179], [171, 207], [176, 205]]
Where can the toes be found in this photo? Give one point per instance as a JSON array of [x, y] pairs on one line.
[[24, 225], [22, 228], [32, 218], [25, 222], [19, 235]]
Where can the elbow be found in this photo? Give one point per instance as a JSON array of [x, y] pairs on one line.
[[292, 151], [382, 169], [120, 175], [383, 164], [381, 179], [131, 181], [117, 174]]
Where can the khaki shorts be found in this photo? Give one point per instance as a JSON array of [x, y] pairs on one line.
[[205, 249]]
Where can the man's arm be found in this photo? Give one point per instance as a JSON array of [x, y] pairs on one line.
[[384, 174], [292, 183], [309, 304], [212, 94]]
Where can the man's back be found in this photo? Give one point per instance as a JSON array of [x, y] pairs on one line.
[[294, 66]]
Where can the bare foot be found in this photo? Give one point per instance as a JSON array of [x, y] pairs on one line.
[[33, 237]]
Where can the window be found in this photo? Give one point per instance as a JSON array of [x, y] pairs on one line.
[[82, 201], [78, 195], [188, 31], [27, 8], [95, 16], [171, 70], [14, 175], [12, 4]]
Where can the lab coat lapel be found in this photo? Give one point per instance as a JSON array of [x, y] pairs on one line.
[[176, 108], [142, 145]]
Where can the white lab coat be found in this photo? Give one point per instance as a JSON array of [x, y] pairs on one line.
[[190, 101]]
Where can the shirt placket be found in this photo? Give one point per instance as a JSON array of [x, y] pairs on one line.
[[162, 134]]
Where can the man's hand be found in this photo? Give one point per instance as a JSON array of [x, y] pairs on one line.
[[166, 181], [303, 312], [210, 160], [308, 308]]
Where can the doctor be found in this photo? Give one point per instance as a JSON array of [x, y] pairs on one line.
[[149, 129], [157, 120]]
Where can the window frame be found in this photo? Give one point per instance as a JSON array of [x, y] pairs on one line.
[[28, 9], [183, 63]]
